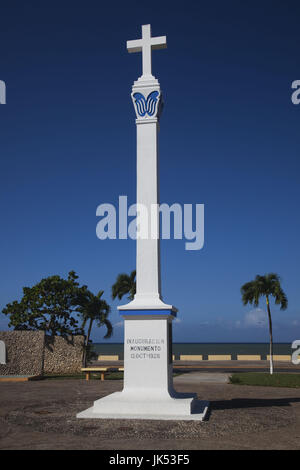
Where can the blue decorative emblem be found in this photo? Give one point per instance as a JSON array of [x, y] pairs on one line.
[[146, 106]]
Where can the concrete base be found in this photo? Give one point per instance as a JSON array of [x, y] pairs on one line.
[[148, 391], [123, 405]]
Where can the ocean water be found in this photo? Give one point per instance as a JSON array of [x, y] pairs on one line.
[[204, 348]]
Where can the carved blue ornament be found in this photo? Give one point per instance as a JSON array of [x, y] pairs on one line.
[[146, 106]]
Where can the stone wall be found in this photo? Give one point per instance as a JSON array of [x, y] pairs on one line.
[[33, 353], [63, 356], [24, 352]]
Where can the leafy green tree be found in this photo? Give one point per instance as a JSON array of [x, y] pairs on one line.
[[50, 305], [124, 285], [265, 286], [92, 308]]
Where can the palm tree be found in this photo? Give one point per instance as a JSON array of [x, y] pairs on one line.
[[124, 285], [93, 308], [265, 286]]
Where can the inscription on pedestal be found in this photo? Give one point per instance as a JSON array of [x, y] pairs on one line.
[[145, 348]]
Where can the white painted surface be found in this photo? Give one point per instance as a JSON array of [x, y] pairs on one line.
[[199, 414], [145, 45], [2, 352], [147, 366], [148, 263]]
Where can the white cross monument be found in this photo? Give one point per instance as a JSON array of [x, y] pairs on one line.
[[148, 391]]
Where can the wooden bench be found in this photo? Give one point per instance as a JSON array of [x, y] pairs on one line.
[[94, 370]]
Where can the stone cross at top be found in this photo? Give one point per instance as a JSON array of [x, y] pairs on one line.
[[145, 45]]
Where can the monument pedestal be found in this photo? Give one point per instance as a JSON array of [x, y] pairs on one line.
[[148, 375]]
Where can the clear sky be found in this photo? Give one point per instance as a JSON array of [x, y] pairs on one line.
[[229, 139]]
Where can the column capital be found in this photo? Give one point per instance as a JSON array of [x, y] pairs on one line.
[[147, 101]]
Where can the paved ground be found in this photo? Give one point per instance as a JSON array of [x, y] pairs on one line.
[[197, 377], [41, 415]]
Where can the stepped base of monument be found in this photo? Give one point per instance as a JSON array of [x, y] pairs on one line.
[[125, 405]]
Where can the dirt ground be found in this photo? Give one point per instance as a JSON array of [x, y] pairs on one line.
[[42, 415]]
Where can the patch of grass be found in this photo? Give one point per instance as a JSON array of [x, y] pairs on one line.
[[114, 376], [266, 379], [108, 376], [63, 376], [175, 374]]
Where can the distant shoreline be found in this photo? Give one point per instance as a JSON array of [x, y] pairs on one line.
[[204, 349]]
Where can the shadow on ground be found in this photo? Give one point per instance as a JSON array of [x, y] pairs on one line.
[[239, 403]]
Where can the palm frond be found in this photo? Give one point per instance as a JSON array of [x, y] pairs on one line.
[[261, 286], [125, 284]]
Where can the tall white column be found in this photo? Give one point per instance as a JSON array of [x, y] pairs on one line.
[[148, 256], [147, 100]]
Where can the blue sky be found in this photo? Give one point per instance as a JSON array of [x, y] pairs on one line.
[[229, 139]]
